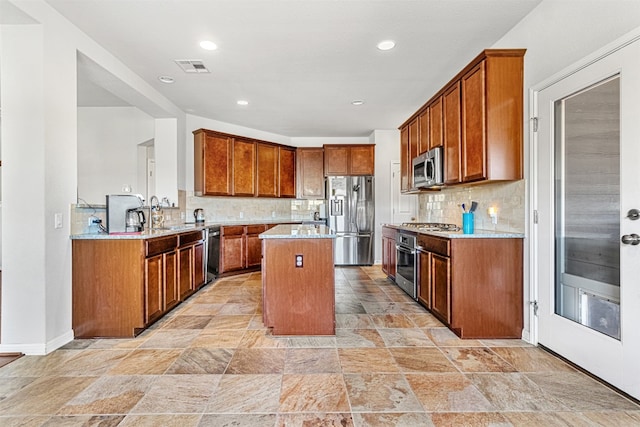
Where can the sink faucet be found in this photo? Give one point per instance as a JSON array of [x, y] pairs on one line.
[[156, 206]]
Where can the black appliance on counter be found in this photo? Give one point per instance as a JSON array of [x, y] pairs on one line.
[[212, 252]]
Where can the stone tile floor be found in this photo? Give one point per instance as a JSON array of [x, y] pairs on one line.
[[210, 362]]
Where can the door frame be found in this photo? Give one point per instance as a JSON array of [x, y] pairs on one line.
[[532, 186]]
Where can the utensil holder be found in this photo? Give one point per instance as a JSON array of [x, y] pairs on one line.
[[467, 223]]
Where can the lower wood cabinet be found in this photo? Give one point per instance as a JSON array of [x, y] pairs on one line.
[[473, 285], [389, 251], [240, 248], [121, 286]]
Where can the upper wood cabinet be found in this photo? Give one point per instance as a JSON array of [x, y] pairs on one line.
[[413, 147], [435, 123], [405, 164], [286, 172], [212, 164], [424, 131], [451, 108], [228, 165], [310, 173], [267, 170], [477, 116], [349, 159], [244, 167]]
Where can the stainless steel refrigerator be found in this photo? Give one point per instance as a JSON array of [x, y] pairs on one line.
[[351, 204]]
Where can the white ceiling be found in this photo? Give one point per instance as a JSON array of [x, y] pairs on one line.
[[299, 63]]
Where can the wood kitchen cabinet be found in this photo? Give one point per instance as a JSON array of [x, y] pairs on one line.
[[435, 123], [267, 170], [424, 130], [286, 172], [413, 147], [310, 173], [121, 286], [389, 252], [492, 109], [473, 285], [254, 245], [240, 248], [452, 155], [346, 160], [244, 168], [232, 251], [212, 163], [191, 274], [477, 117], [405, 161], [230, 165]]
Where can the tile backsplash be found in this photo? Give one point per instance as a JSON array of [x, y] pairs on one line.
[[508, 199]]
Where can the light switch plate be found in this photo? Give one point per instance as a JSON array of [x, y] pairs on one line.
[[57, 220]]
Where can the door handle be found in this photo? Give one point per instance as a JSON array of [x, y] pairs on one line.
[[633, 214], [630, 239]]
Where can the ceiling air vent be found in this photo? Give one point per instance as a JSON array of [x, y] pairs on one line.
[[192, 66]]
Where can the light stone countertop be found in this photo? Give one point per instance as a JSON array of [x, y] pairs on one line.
[[478, 234], [182, 228], [298, 231]]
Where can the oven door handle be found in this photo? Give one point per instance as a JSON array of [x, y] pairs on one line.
[[400, 248]]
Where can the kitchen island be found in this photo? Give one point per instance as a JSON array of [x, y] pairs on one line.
[[298, 280]]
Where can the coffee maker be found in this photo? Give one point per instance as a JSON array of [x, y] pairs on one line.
[[124, 213]]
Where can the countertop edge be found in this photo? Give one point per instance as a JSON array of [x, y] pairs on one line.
[[479, 234], [299, 231]]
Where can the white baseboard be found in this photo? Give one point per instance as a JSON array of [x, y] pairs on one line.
[[39, 349]]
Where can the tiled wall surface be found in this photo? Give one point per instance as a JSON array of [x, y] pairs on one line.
[[508, 199]]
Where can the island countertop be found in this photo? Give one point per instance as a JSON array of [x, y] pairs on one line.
[[298, 231]]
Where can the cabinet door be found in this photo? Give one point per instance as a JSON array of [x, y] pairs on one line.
[[385, 255], [254, 251], [199, 275], [267, 170], [452, 135], [435, 124], [287, 172], [424, 131], [212, 164], [474, 158], [440, 287], [405, 164], [336, 160], [185, 271], [310, 171], [244, 167], [424, 278], [171, 293], [231, 253], [362, 160], [153, 300], [413, 148]]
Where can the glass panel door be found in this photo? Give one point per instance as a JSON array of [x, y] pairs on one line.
[[587, 207]]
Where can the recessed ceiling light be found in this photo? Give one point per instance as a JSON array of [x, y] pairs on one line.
[[166, 79], [357, 102], [386, 45], [208, 45], [243, 102]]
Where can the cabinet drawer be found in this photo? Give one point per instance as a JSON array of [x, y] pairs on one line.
[[389, 232], [232, 230], [190, 237], [160, 245], [436, 245], [255, 229]]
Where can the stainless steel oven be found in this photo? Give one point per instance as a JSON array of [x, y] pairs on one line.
[[406, 263]]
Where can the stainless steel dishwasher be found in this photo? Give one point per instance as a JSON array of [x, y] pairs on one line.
[[213, 252]]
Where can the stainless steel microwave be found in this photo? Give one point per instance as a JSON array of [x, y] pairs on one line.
[[427, 169]]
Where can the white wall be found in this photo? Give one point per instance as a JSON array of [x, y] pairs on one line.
[[556, 34], [39, 133], [108, 139]]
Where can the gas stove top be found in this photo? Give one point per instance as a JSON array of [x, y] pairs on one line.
[[431, 226]]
